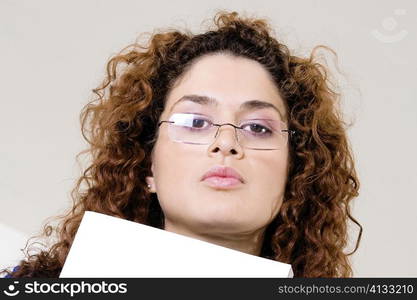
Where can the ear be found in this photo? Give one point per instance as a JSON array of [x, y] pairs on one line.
[[151, 181], [151, 184]]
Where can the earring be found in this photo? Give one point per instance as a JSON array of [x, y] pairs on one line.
[[149, 186]]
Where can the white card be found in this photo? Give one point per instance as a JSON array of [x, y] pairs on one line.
[[106, 246]]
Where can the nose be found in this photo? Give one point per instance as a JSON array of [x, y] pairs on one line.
[[225, 142]]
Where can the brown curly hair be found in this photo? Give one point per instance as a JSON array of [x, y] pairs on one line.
[[120, 125]]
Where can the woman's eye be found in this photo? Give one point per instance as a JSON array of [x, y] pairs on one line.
[[199, 123], [190, 121], [257, 129]]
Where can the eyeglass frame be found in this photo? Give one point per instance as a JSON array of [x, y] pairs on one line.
[[289, 131]]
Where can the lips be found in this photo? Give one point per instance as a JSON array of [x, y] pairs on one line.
[[223, 175]]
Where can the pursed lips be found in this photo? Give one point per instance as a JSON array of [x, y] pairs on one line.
[[220, 171]]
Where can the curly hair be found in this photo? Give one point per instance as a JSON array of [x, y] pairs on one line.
[[120, 125]]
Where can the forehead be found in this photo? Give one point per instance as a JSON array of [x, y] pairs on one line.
[[226, 82]]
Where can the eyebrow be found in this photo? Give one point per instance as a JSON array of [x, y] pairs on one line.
[[247, 105]]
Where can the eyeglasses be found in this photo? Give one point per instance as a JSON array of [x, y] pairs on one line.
[[257, 134]]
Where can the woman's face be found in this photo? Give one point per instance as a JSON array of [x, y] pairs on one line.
[[195, 205]]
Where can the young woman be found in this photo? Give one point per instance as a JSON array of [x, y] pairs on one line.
[[223, 136]]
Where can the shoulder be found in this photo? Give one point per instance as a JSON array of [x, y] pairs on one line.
[[14, 270]]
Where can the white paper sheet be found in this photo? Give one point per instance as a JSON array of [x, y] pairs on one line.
[[106, 246]]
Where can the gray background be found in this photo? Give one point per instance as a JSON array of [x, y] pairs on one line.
[[54, 52]]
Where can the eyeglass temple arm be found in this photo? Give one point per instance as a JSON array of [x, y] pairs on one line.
[[159, 124], [291, 132]]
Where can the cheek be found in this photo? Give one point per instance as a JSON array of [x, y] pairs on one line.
[[271, 169], [269, 178], [169, 161], [173, 169]]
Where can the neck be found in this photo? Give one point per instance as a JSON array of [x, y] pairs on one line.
[[250, 243]]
